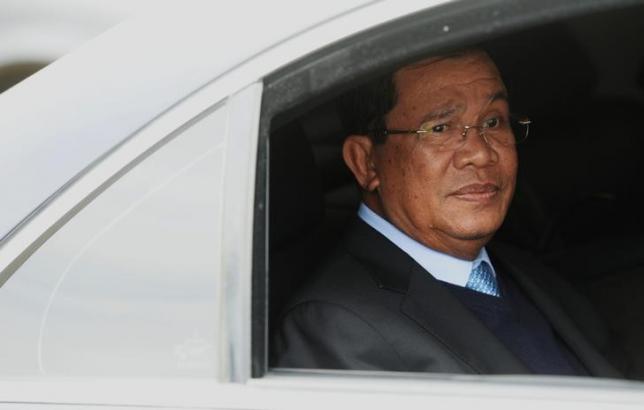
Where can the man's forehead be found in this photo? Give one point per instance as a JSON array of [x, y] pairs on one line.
[[435, 77], [447, 63]]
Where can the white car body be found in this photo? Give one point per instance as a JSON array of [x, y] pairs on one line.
[[71, 130]]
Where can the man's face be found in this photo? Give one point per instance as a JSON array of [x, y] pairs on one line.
[[452, 200]]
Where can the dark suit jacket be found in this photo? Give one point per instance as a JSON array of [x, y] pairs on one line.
[[372, 307]]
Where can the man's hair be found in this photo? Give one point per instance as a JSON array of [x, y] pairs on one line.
[[364, 108]]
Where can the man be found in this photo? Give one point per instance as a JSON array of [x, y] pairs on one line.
[[413, 288]]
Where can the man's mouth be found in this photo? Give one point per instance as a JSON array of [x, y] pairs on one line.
[[476, 192]]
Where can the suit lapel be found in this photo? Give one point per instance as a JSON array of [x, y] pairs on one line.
[[527, 276], [434, 308], [428, 303]]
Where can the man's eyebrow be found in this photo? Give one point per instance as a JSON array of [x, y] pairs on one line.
[[442, 112], [451, 108], [499, 95]]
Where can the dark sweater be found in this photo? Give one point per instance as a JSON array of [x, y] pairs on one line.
[[521, 328]]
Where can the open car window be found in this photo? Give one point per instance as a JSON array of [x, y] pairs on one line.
[[572, 67]]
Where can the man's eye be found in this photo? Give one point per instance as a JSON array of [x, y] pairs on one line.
[[494, 122], [439, 128], [431, 128]]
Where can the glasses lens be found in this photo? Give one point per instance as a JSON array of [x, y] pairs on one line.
[[520, 128], [441, 133]]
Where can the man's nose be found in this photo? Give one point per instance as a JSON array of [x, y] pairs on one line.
[[476, 149]]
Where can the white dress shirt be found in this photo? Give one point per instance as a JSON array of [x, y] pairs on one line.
[[441, 266]]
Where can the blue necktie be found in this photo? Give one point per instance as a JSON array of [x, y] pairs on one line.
[[482, 280]]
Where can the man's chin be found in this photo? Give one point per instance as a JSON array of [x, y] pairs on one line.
[[477, 225], [475, 233], [479, 236]]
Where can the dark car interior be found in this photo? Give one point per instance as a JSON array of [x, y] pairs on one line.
[[576, 69]]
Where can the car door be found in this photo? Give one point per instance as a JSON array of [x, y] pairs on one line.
[[138, 278]]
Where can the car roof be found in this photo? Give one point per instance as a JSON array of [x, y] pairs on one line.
[[66, 116]]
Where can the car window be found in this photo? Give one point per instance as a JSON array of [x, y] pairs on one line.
[[575, 207], [128, 287]]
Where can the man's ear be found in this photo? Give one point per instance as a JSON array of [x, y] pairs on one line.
[[357, 152]]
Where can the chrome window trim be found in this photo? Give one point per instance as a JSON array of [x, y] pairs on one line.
[[237, 232]]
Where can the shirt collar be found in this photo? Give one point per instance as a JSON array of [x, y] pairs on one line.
[[440, 265]]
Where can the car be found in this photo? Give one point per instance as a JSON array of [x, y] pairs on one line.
[[168, 185]]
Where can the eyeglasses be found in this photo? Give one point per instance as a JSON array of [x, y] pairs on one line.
[[451, 135]]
